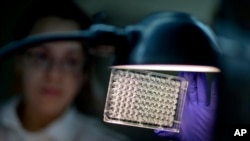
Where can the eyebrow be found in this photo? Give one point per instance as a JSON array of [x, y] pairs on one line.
[[46, 46], [74, 52]]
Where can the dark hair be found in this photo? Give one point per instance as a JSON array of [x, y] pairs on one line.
[[65, 9], [39, 9]]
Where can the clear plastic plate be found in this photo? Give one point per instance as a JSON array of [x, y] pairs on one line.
[[145, 99]]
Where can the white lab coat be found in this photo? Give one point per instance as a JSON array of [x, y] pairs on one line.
[[71, 126]]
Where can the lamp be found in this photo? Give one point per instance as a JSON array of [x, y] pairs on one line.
[[97, 34], [171, 41]]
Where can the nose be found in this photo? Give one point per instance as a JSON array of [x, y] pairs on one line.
[[54, 72]]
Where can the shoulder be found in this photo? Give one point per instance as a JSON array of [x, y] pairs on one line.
[[94, 129], [7, 118], [7, 105]]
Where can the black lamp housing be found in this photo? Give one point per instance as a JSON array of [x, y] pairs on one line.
[[97, 34], [171, 38]]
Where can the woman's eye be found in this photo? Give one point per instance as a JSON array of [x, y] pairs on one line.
[[37, 57], [40, 56], [72, 63]]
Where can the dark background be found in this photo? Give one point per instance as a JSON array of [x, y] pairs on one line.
[[230, 20]]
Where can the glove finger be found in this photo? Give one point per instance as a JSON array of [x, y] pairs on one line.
[[181, 74], [202, 89], [192, 86], [214, 93], [163, 133]]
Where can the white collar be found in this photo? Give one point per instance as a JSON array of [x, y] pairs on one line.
[[62, 129]]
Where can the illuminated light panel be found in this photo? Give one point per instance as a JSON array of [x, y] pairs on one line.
[[190, 68]]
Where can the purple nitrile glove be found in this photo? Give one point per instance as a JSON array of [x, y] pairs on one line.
[[198, 117]]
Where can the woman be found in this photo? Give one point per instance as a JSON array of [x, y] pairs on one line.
[[52, 75]]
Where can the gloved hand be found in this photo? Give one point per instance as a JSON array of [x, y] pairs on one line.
[[198, 117]]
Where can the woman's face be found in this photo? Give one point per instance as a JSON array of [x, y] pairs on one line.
[[52, 72]]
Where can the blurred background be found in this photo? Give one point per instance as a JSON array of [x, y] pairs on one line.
[[230, 20], [117, 12]]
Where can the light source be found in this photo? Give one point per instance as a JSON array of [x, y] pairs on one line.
[[172, 41]]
